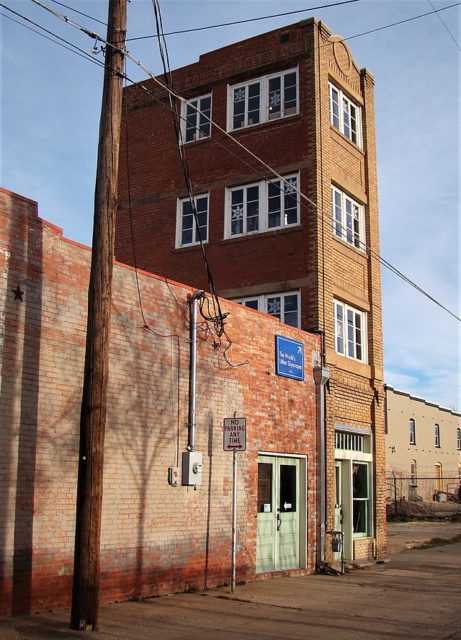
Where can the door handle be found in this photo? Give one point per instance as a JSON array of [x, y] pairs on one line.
[[279, 521]]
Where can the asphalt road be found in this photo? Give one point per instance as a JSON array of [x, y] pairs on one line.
[[416, 595]]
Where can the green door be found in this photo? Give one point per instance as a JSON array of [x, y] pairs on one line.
[[278, 540]]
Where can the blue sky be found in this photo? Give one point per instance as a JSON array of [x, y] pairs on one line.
[[50, 112]]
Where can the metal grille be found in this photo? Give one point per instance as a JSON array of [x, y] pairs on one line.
[[349, 441]]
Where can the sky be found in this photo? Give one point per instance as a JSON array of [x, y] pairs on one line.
[[50, 110]]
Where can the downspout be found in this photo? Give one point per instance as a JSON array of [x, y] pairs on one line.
[[193, 364], [321, 377]]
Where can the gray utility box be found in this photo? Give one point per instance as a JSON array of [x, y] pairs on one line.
[[192, 468]]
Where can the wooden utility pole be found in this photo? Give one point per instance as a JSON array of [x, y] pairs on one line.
[[85, 592]]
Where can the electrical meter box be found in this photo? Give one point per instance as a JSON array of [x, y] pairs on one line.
[[192, 468]]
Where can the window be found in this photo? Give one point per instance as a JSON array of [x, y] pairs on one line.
[[283, 306], [437, 435], [263, 99], [458, 439], [361, 499], [413, 473], [196, 118], [348, 222], [187, 231], [262, 206], [412, 426], [345, 115], [349, 441], [350, 332]]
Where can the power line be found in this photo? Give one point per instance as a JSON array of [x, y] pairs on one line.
[[229, 24], [357, 35], [445, 25], [78, 51], [80, 12], [375, 254]]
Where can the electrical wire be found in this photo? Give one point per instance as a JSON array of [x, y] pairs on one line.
[[236, 22], [357, 35], [78, 51], [142, 86], [86, 15], [445, 25]]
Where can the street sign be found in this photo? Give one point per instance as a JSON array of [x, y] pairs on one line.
[[289, 358], [234, 434]]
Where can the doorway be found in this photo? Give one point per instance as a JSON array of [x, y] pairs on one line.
[[281, 514]]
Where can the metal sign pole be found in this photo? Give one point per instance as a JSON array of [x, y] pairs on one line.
[[234, 518]]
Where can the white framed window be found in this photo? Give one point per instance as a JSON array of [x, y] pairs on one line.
[[437, 436], [458, 439], [412, 428], [283, 306], [263, 99], [190, 229], [262, 206], [350, 331], [196, 118], [348, 219], [345, 115]]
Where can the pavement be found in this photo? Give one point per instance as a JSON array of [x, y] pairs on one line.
[[415, 594]]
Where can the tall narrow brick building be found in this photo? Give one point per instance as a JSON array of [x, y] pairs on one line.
[[299, 244]]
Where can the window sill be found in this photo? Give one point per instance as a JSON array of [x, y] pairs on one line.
[[345, 139], [262, 234], [190, 247], [343, 244], [263, 125]]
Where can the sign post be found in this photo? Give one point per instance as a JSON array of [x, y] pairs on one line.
[[234, 439]]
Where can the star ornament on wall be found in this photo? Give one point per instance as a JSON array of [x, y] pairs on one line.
[[18, 293]]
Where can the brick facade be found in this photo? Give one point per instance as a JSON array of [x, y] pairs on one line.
[[307, 257], [155, 538]]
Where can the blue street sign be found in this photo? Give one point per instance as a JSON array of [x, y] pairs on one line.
[[289, 358]]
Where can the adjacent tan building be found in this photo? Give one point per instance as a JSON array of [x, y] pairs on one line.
[[423, 447]]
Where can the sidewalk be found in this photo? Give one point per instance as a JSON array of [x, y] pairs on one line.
[[416, 595]]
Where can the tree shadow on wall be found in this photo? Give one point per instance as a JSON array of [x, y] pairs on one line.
[[19, 403]]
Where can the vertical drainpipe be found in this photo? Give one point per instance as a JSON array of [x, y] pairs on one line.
[[193, 364], [321, 377]]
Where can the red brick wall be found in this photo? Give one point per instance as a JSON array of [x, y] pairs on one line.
[[155, 538]]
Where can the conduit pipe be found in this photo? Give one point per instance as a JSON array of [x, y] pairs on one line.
[[321, 377], [193, 364]]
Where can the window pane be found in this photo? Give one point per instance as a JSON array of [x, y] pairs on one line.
[[360, 516], [252, 304], [287, 488], [339, 329], [334, 107], [239, 108], [291, 201], [289, 94], [275, 98], [291, 310], [360, 480], [191, 121], [274, 204], [252, 209], [237, 212], [205, 108], [274, 306], [264, 487], [253, 103]]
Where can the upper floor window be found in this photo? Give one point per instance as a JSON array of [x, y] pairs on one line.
[[458, 439], [190, 227], [348, 219], [283, 306], [262, 99], [345, 115], [196, 118], [437, 435], [350, 331], [262, 206], [412, 427]]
